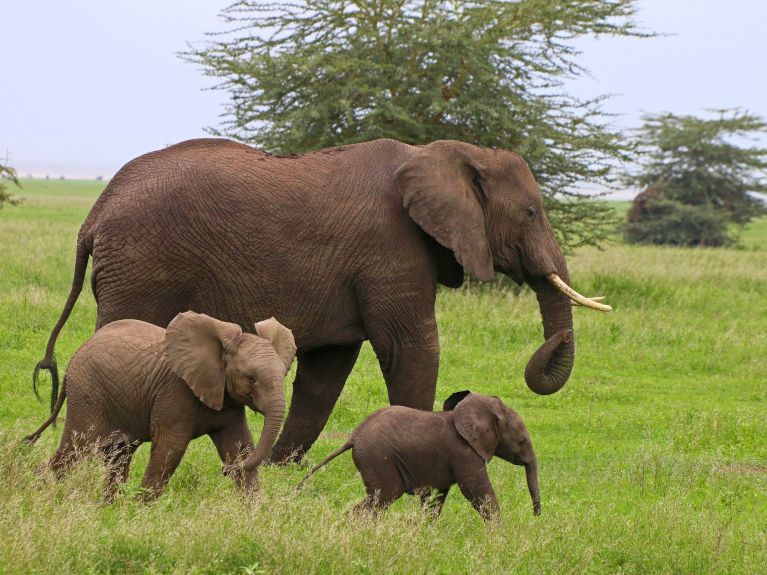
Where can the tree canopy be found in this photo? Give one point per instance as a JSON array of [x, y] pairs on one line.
[[317, 73], [703, 173], [7, 174]]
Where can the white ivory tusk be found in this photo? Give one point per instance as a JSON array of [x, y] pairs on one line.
[[558, 283], [595, 298]]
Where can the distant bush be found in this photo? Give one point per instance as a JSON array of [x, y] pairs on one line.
[[661, 221], [7, 174], [698, 178]]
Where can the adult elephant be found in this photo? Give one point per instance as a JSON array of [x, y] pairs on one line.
[[340, 245]]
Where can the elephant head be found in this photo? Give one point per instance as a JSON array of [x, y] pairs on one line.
[[215, 358], [492, 428], [485, 206]]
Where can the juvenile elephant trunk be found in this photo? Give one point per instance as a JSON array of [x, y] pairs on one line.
[[274, 414], [531, 471], [550, 366]]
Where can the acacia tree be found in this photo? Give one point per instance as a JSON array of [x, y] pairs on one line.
[[702, 173], [318, 73], [7, 173]]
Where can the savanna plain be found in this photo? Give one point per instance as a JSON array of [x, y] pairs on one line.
[[653, 458]]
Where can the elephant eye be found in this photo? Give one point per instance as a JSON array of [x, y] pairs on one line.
[[531, 211]]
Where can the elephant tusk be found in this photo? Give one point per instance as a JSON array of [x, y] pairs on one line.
[[596, 298], [557, 282]]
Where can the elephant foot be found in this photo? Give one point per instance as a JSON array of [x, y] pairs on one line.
[[286, 455]]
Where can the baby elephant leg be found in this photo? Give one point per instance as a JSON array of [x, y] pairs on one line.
[[234, 443], [383, 485], [168, 447], [433, 503], [65, 457], [476, 487], [118, 456], [73, 447]]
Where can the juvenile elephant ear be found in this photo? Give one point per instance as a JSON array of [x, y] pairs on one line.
[[437, 189], [280, 337], [476, 419], [194, 346], [454, 399]]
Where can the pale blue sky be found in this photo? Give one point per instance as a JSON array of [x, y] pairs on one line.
[[89, 84]]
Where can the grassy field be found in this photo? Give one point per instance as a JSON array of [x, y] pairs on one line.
[[653, 459]]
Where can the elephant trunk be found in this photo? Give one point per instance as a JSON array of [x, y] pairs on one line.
[[531, 471], [550, 366], [274, 414]]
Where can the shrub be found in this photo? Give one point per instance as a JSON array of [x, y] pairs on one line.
[[661, 221]]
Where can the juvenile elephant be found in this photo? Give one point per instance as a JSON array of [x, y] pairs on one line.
[[134, 382], [343, 245], [400, 450]]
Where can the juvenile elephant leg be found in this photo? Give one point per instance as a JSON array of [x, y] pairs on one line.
[[234, 443], [65, 457], [433, 504], [167, 450], [74, 445], [118, 458], [476, 487], [383, 483], [319, 381], [379, 498]]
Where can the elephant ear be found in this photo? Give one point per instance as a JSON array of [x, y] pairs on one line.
[[454, 399], [476, 418], [438, 191], [194, 346], [280, 337]]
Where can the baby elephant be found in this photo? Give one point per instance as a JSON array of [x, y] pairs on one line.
[[134, 382], [401, 450]]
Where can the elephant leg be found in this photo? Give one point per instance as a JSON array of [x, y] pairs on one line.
[[400, 323], [65, 457], [411, 376], [320, 378], [409, 359], [168, 447], [118, 458], [234, 443], [383, 480], [433, 504], [476, 487], [74, 446], [380, 496]]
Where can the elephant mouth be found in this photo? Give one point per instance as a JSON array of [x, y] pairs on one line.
[[516, 271], [512, 265]]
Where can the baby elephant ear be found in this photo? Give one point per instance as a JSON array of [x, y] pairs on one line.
[[280, 337], [476, 419], [194, 347], [453, 400]]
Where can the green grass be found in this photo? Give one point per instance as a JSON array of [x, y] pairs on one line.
[[653, 459]]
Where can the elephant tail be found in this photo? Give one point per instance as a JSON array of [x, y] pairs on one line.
[[49, 361], [52, 419], [345, 447]]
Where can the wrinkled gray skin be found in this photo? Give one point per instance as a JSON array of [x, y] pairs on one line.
[[343, 245], [400, 450], [134, 382]]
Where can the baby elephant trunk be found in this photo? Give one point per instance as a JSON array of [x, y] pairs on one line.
[[274, 414], [531, 471]]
